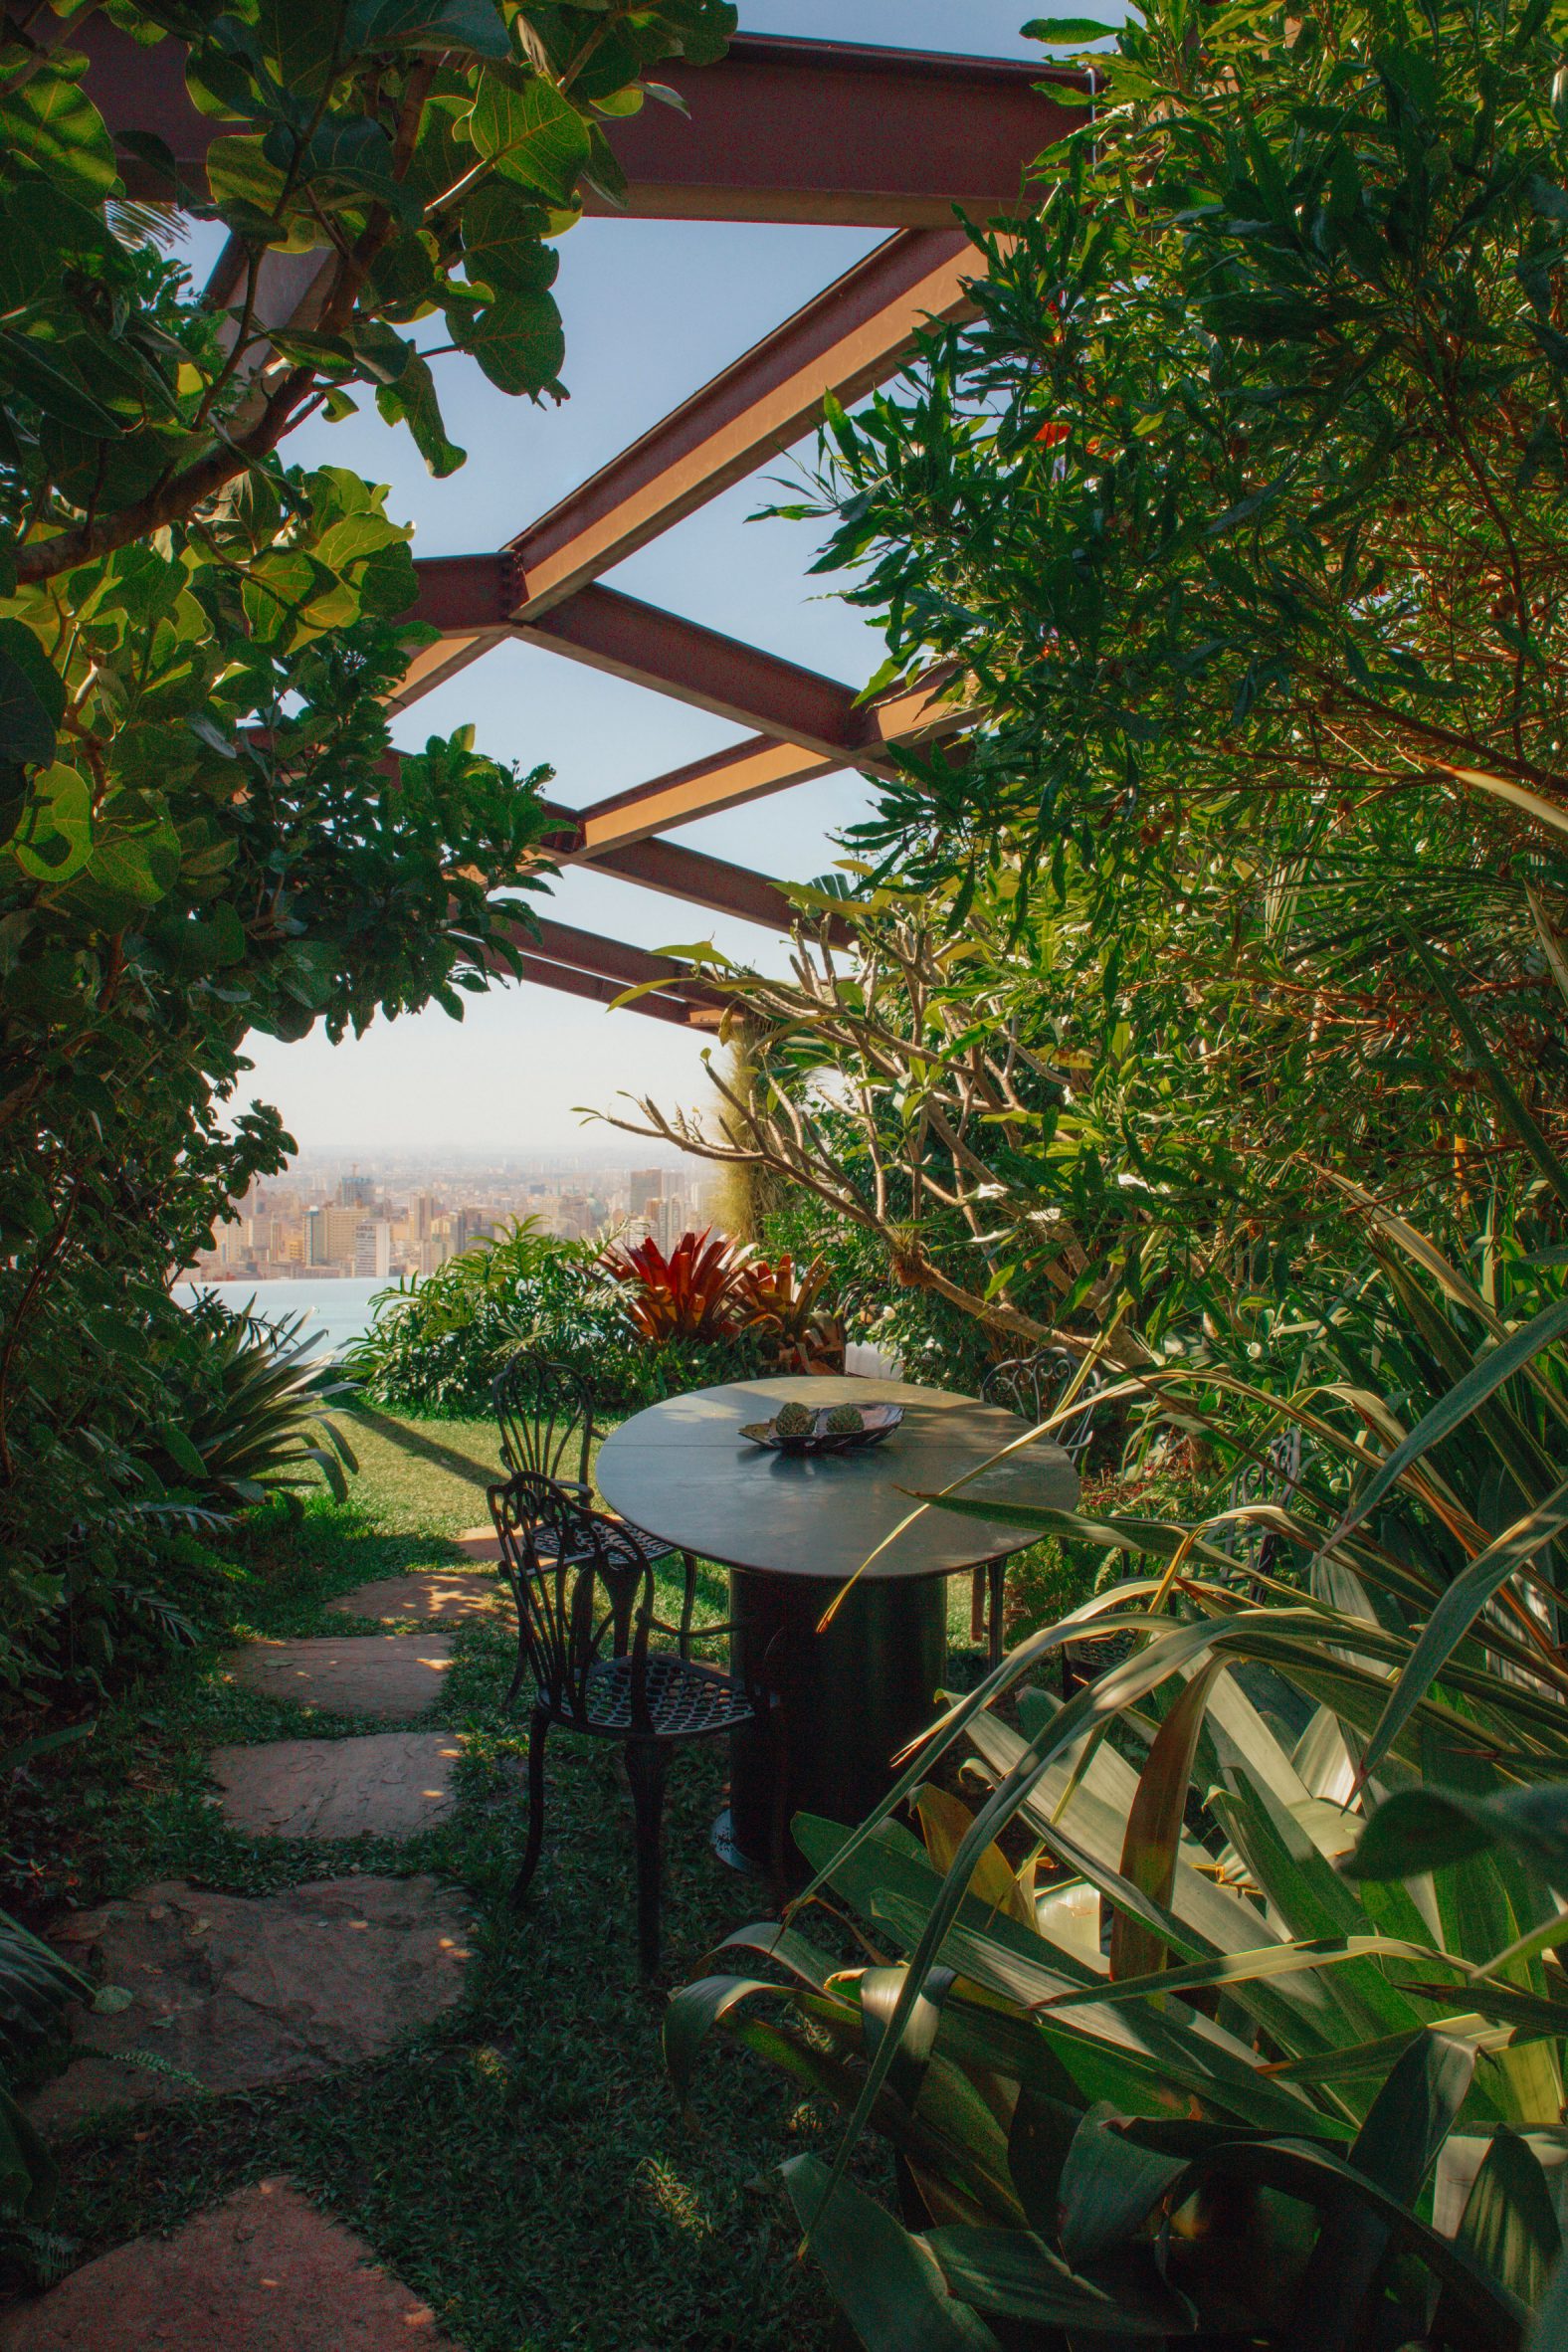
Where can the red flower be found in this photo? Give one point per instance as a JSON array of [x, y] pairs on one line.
[[1053, 433]]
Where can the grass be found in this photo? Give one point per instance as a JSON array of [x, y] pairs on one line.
[[521, 2164]]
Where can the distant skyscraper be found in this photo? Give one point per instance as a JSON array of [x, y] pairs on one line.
[[356, 1191]]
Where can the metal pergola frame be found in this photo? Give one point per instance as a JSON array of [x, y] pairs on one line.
[[788, 131]]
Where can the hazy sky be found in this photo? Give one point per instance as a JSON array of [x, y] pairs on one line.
[[652, 309]]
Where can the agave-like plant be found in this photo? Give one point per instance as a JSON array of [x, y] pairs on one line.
[[250, 1412], [696, 1292], [35, 1986], [1228, 2124], [787, 1310]]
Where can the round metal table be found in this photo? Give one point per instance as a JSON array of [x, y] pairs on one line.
[[791, 1526]]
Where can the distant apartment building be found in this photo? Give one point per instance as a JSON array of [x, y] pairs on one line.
[[356, 1191], [373, 1247]]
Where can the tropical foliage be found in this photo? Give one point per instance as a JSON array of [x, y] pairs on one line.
[[249, 1398], [1253, 860], [36, 1985], [202, 829], [438, 1340], [1207, 1014], [1226, 2113]]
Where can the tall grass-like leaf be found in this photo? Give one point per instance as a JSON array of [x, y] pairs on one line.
[[1154, 1822], [1459, 1608], [1451, 1411]]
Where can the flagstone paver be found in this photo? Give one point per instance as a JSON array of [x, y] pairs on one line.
[[390, 1783], [356, 1675], [430, 1593], [240, 1990], [478, 1543], [262, 2272]]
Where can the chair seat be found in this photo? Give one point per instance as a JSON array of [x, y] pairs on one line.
[[657, 1554], [684, 1700]]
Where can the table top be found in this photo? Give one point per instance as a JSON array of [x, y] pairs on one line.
[[682, 1471]]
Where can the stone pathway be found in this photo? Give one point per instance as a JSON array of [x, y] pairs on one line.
[[359, 1674], [235, 1991], [389, 1784], [262, 2272], [432, 1594], [228, 1992]]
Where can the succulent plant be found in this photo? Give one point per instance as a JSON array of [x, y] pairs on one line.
[[795, 1421], [844, 1421]]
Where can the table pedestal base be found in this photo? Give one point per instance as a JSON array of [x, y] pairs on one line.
[[849, 1698]]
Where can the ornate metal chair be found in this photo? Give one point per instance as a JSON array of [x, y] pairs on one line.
[[1032, 1387], [1273, 1478], [546, 1414], [584, 1590]]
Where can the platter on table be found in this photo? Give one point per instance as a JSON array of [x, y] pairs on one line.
[[812, 1434]]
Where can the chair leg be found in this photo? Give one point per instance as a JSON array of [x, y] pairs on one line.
[[520, 1676], [977, 1605], [647, 1762], [538, 1731], [996, 1580], [688, 1603]]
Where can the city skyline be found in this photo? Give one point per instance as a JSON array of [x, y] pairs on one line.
[[324, 1222]]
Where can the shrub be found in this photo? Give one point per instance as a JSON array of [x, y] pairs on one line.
[[438, 1340]]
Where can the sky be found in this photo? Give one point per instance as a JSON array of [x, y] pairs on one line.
[[651, 310]]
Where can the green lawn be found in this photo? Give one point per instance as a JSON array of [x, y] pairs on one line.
[[521, 2165]]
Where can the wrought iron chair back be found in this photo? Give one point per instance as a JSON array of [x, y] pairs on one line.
[[584, 1593], [1274, 1479], [545, 1413], [1034, 1386]]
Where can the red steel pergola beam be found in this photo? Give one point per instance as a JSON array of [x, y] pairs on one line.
[[581, 963], [780, 130], [846, 340], [697, 880], [543, 974], [623, 637], [828, 131]]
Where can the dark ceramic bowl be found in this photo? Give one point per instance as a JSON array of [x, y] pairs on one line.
[[876, 1421]]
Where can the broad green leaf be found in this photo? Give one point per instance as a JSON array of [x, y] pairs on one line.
[[503, 242], [522, 122], [1014, 2274], [1424, 1828], [412, 400], [1109, 2185], [1060, 31], [474, 28], [52, 122], [1511, 2226], [1413, 2115], [53, 840], [517, 341], [886, 2282], [32, 698], [696, 2011]]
